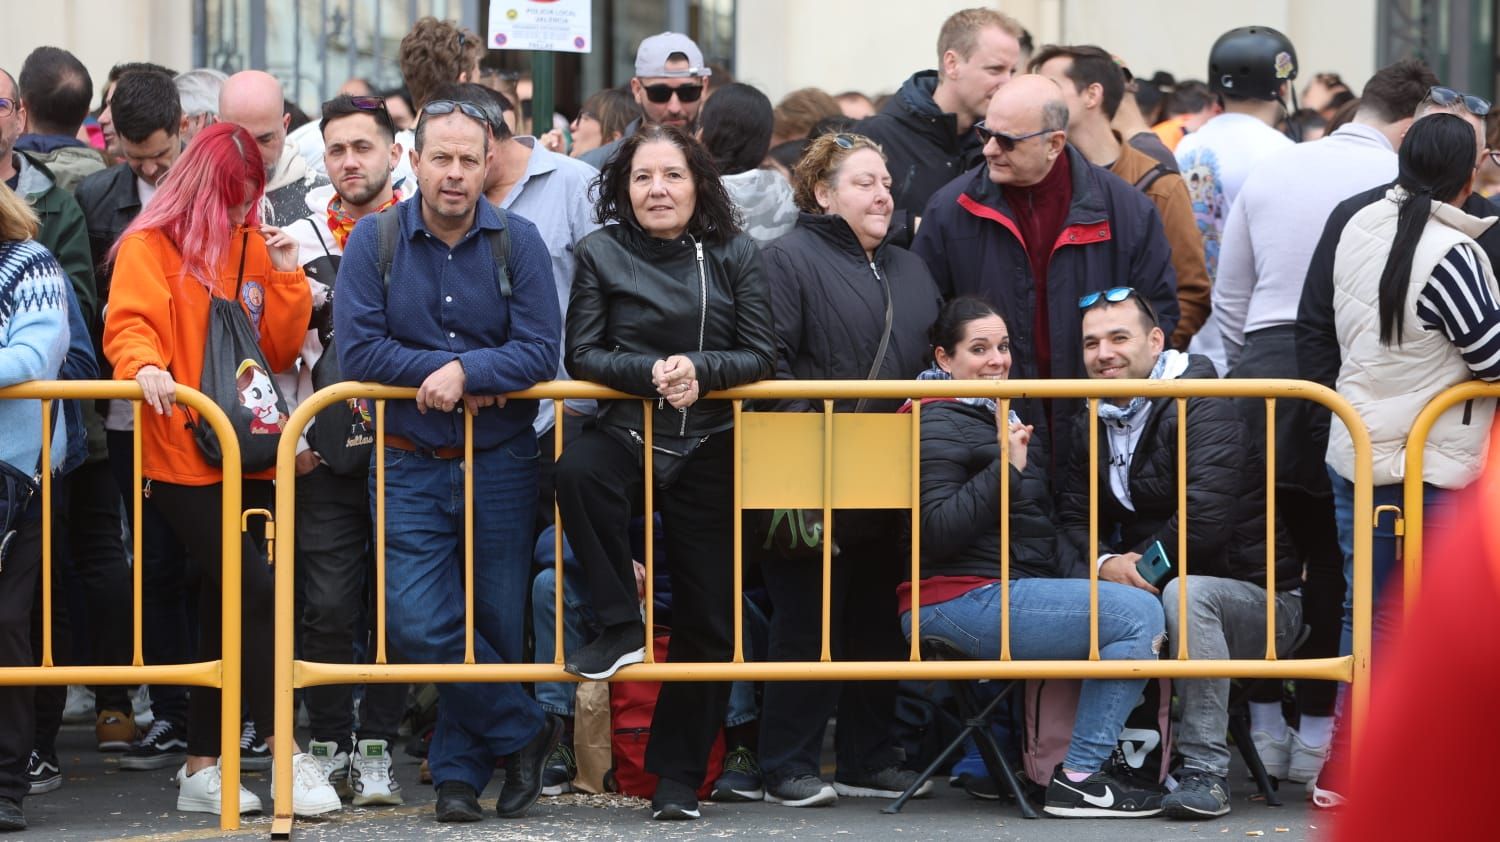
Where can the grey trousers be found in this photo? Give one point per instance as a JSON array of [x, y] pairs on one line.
[[1226, 618]]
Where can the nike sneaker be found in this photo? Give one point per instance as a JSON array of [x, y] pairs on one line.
[[1101, 796]]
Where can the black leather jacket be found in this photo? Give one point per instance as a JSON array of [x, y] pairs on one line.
[[637, 299], [110, 203]]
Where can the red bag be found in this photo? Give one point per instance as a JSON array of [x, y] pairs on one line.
[[632, 704], [1051, 705]]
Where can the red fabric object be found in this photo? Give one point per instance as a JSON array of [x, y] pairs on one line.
[[632, 704], [1433, 711], [1041, 211], [936, 589]]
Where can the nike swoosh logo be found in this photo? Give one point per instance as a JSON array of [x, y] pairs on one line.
[[1106, 800]]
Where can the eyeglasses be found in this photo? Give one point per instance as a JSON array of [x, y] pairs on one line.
[[7, 106], [661, 92], [439, 107], [1447, 98], [1007, 142], [1494, 158], [845, 141], [1114, 295]]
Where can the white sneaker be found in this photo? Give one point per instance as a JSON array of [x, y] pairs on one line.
[[79, 708], [1274, 754], [1306, 761], [335, 764], [200, 792], [370, 774], [312, 795], [140, 707]]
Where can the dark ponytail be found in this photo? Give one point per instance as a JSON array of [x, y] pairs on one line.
[[1436, 162], [953, 320]]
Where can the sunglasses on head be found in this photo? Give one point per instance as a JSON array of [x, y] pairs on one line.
[[439, 107], [368, 103], [1447, 98], [1114, 295], [1007, 142], [661, 92]]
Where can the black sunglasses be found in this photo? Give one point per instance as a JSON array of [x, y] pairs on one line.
[[1007, 142], [1114, 295], [439, 107], [1447, 98], [661, 92], [368, 103]]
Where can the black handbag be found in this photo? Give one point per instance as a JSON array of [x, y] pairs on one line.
[[343, 433], [669, 454], [237, 379], [17, 490]]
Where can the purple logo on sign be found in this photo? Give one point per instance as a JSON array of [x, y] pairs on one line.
[[579, 42], [499, 39]]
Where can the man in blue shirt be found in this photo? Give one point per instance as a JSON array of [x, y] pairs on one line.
[[445, 325]]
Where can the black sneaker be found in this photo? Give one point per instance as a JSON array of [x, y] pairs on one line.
[[978, 786], [11, 817], [618, 646], [1101, 796], [457, 802], [255, 755], [164, 745], [801, 791], [1199, 795], [561, 769], [889, 782], [42, 773], [741, 779], [674, 801]]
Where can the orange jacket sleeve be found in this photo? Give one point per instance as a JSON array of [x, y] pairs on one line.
[[139, 322], [288, 310]]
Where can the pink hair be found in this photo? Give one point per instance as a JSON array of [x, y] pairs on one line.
[[220, 169]]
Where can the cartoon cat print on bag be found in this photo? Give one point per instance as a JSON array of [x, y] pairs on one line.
[[259, 396]]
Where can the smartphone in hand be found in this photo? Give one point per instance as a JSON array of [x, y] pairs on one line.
[[1153, 565]]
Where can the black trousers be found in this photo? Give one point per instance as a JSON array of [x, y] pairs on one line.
[[89, 572], [335, 588], [599, 487], [168, 607], [18, 584], [193, 512], [863, 626]]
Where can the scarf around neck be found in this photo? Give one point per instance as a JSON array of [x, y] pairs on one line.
[[1169, 366], [341, 224]]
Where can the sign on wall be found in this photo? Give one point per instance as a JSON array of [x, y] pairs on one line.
[[563, 26]]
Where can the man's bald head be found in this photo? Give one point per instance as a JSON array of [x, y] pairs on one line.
[[1030, 116], [253, 99]]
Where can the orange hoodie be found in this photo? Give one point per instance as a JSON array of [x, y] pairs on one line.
[[158, 316]]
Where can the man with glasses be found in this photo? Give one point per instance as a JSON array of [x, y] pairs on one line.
[[335, 559], [464, 311], [1035, 227], [1319, 356], [670, 82], [1137, 483]]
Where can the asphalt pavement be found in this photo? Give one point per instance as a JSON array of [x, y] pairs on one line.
[[100, 801]]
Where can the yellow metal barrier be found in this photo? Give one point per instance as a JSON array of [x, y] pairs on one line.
[[223, 673], [1409, 521], [830, 461]]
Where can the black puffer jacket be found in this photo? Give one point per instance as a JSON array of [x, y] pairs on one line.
[[1226, 492], [829, 306], [923, 148], [961, 500], [637, 299]]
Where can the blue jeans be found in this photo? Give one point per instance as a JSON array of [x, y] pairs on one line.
[[1049, 620], [476, 723], [1382, 553], [581, 626]]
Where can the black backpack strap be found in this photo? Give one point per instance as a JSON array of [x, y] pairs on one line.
[[1149, 178], [500, 251], [387, 232]]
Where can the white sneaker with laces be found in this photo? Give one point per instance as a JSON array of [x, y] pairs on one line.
[[1306, 762], [140, 707], [312, 795], [1274, 754], [370, 775], [79, 707], [200, 792], [335, 764]]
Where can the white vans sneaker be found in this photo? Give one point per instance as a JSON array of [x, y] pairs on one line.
[[370, 775], [1306, 761], [312, 795], [200, 792], [335, 764]]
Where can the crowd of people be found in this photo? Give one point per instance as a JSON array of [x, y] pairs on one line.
[[1014, 212]]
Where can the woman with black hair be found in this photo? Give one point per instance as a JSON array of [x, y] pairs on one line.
[[1417, 310], [735, 124], [669, 304]]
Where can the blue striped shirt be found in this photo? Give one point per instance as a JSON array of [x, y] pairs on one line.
[[1458, 302]]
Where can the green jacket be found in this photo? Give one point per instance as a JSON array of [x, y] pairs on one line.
[[69, 164], [65, 234]]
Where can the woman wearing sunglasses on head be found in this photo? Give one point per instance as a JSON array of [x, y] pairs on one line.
[[848, 306]]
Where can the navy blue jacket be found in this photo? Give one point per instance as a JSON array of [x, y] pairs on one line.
[[444, 305], [1112, 237]]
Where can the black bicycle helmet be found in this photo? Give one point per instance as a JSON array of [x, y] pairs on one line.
[[1251, 62]]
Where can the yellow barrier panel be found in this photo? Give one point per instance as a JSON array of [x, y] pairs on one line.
[[223, 673], [828, 461], [1410, 520]]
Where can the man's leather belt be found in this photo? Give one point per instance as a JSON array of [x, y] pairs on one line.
[[404, 443]]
